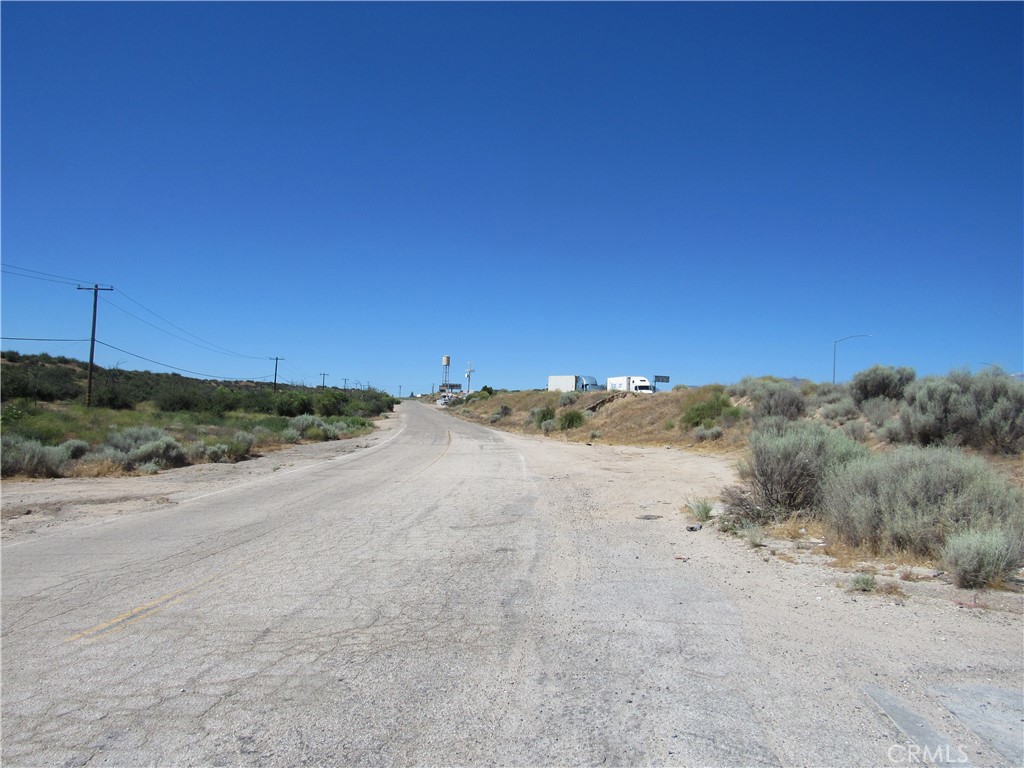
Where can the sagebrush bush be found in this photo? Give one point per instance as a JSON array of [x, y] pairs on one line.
[[913, 499], [880, 381], [540, 415], [825, 394], [290, 435], [978, 558], [165, 451], [549, 425], [701, 434], [789, 463], [570, 419], [305, 422], [23, 456], [781, 401], [568, 398], [241, 445], [130, 438], [841, 411], [879, 410], [984, 411]]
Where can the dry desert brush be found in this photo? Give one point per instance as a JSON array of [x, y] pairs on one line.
[[936, 503]]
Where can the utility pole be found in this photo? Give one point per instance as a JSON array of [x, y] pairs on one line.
[[344, 382], [92, 341], [276, 359], [399, 391], [323, 381]]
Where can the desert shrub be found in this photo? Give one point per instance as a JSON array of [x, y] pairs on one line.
[[24, 456], [290, 435], [130, 438], [570, 419], [36, 381], [705, 412], [241, 445], [306, 422], [316, 434], [825, 394], [549, 425], [914, 498], [780, 401], [75, 449], [753, 387], [879, 410], [196, 452], [293, 403], [702, 434], [180, 394], [731, 415], [880, 381], [568, 398], [841, 411], [856, 430], [891, 431], [331, 403], [149, 468], [789, 462], [977, 558], [217, 452], [863, 582], [164, 451], [106, 454], [984, 411], [540, 415]]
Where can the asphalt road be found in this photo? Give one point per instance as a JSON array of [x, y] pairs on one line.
[[438, 598]]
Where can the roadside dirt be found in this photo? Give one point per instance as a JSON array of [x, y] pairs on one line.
[[813, 644]]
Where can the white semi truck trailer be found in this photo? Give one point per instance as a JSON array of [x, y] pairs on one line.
[[572, 383], [629, 384]]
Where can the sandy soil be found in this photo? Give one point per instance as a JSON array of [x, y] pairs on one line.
[[813, 644]]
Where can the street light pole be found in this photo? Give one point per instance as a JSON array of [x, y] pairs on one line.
[[836, 343]]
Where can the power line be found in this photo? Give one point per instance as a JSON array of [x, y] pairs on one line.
[[187, 333], [25, 338], [183, 370], [58, 278], [172, 335]]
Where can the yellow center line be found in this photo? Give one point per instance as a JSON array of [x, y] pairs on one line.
[[143, 611]]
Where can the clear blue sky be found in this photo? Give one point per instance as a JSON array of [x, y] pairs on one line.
[[704, 191]]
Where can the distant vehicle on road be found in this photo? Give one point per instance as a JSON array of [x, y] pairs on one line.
[[630, 384]]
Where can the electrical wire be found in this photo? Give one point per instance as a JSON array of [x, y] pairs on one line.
[[23, 338], [216, 347], [218, 350], [184, 370], [46, 275]]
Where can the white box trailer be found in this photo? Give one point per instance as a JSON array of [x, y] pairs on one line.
[[572, 383], [630, 384], [562, 383]]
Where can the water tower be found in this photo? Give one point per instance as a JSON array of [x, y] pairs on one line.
[[446, 364]]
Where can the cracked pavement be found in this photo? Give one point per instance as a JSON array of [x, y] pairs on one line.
[[450, 595]]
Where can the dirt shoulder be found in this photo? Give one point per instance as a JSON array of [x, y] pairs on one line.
[[30, 507]]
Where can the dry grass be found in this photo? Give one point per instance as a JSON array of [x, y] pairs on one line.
[[631, 419]]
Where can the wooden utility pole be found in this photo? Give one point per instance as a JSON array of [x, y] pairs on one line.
[[92, 340], [276, 359]]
